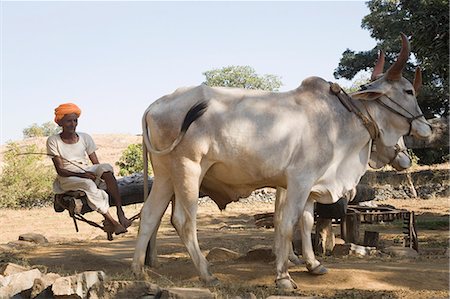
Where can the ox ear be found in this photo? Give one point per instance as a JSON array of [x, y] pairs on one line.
[[417, 80], [368, 95]]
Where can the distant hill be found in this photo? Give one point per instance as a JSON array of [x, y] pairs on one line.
[[110, 147]]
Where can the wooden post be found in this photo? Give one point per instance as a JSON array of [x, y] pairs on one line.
[[371, 238], [351, 228]]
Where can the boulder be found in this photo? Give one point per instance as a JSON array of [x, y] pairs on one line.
[[42, 285], [353, 249], [34, 238], [221, 254], [10, 268], [186, 293], [88, 284], [19, 282], [131, 289], [396, 251]]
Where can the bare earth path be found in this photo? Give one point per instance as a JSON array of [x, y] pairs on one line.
[[68, 252]]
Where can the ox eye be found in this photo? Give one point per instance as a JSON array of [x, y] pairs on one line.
[[409, 91], [363, 87]]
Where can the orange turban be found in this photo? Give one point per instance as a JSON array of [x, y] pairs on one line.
[[64, 109]]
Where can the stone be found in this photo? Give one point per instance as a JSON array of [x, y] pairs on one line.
[[43, 283], [10, 268], [341, 249], [362, 250], [291, 297], [218, 254], [131, 289], [19, 282], [396, 251], [246, 296], [34, 238], [80, 285], [20, 244], [260, 253], [353, 249], [186, 293]]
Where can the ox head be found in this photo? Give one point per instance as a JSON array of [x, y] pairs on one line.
[[397, 112], [396, 156]]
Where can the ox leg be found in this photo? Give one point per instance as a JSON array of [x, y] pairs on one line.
[[151, 213], [287, 213], [280, 198], [306, 225], [184, 220]]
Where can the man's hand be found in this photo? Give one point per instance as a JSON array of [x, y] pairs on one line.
[[89, 175]]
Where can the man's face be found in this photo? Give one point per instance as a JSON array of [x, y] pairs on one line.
[[69, 123]]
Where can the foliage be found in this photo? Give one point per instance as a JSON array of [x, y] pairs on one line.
[[46, 129], [427, 23], [243, 77], [25, 181], [131, 160]]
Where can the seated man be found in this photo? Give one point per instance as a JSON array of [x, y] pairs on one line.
[[70, 150]]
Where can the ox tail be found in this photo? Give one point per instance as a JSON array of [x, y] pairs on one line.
[[192, 115], [145, 153]]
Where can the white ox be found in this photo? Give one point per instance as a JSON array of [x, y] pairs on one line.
[[304, 140]]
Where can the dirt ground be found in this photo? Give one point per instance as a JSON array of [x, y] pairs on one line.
[[68, 252]]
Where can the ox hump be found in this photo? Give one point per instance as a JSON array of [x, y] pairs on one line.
[[313, 83]]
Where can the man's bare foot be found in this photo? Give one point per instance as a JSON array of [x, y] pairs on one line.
[[125, 221], [114, 227], [119, 229]]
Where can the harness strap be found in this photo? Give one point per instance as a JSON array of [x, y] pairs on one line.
[[346, 101]]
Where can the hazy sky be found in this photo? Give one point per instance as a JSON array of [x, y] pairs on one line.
[[113, 59]]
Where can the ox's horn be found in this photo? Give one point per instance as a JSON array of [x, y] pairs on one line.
[[394, 73], [378, 69], [417, 80]]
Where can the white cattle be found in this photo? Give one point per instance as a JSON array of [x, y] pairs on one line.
[[228, 142]]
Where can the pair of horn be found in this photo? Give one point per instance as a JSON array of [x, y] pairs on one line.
[[394, 73]]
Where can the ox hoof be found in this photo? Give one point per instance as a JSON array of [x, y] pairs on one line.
[[211, 282], [319, 270], [286, 283], [138, 272], [295, 260]]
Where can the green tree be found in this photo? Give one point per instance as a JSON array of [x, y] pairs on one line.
[[131, 160], [427, 23], [243, 77], [25, 181], [46, 129]]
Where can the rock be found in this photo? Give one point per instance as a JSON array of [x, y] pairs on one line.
[[246, 296], [291, 297], [186, 293], [32, 237], [19, 282], [43, 284], [260, 253], [447, 252], [10, 268], [396, 251], [353, 249], [338, 241], [20, 244], [131, 289], [80, 285], [221, 254]]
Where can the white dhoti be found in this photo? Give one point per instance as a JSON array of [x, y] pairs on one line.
[[97, 198]]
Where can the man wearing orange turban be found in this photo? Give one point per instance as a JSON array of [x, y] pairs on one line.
[[70, 151], [64, 109]]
